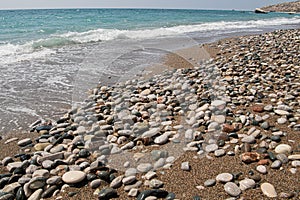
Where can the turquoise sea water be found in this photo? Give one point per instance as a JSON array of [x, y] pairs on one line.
[[49, 57]]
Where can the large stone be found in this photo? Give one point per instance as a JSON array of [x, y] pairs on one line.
[[268, 190], [36, 195], [11, 187], [117, 182], [283, 149], [73, 177]]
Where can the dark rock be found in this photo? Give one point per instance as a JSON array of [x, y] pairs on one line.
[[104, 175], [272, 156], [196, 198], [72, 194], [49, 192], [275, 138], [91, 177], [107, 193], [170, 196], [42, 128], [156, 192], [84, 153], [20, 195], [6, 196], [4, 182]]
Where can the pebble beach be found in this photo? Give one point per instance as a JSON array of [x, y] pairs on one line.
[[223, 125]]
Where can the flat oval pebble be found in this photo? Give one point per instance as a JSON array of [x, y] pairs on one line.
[[261, 169], [209, 182], [72, 177], [24, 142], [232, 189], [281, 112], [268, 190], [294, 157], [224, 177], [246, 184], [283, 148], [144, 167]]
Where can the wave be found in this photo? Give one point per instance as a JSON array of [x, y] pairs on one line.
[[43, 47]]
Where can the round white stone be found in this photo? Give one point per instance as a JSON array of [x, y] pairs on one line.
[[72, 177]]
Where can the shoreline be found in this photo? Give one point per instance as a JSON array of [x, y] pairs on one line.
[[178, 181]]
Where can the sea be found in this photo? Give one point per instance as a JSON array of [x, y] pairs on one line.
[[50, 58]]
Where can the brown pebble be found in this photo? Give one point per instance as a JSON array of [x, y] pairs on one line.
[[250, 157], [258, 108], [228, 128], [263, 162]]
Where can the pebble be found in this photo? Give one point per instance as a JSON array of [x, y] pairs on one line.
[[133, 192], [117, 182], [283, 149], [185, 166], [36, 195], [247, 184], [294, 157], [268, 190], [95, 183], [232, 189], [73, 177], [224, 177], [211, 148], [276, 164], [128, 180], [24, 142], [219, 152], [249, 139], [144, 167], [154, 183], [261, 169], [296, 163], [281, 112], [209, 182], [107, 193]]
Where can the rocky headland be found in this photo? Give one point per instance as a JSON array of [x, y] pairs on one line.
[[284, 7], [226, 129]]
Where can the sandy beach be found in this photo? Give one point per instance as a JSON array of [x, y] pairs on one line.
[[227, 113]]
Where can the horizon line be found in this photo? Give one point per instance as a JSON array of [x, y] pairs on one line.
[[83, 8]]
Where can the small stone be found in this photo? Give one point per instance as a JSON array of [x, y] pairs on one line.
[[276, 164], [144, 167], [150, 175], [250, 157], [294, 157], [249, 139], [41, 173], [154, 183], [95, 183], [281, 112], [41, 146], [232, 189], [281, 120], [185, 166], [107, 193], [219, 152], [36, 195], [117, 182], [73, 177], [284, 195], [54, 180], [211, 148], [258, 108], [247, 184], [128, 180], [131, 172], [12, 166], [133, 192], [224, 177], [283, 158], [261, 169], [37, 183], [209, 182], [24, 142], [268, 190], [296, 163], [154, 192], [11, 187]]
